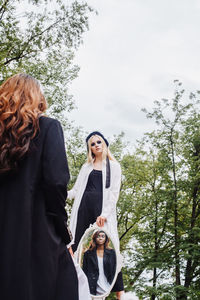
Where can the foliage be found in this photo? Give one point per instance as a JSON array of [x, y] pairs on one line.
[[76, 154], [39, 37], [159, 203]]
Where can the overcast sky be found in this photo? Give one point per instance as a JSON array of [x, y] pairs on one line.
[[130, 57]]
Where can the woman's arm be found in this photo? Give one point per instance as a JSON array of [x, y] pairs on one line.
[[72, 193], [55, 178], [85, 268]]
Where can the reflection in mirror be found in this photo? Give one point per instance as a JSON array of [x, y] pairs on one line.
[[97, 257]]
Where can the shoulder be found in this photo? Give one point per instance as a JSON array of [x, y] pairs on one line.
[[50, 128], [112, 253], [110, 250], [87, 253], [115, 165], [46, 122], [86, 166]]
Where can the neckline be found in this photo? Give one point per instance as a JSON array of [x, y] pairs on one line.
[[97, 170]]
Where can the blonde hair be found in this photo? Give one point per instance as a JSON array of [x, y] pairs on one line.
[[106, 151]]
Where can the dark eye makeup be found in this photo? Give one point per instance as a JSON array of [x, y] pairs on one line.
[[101, 236], [93, 144]]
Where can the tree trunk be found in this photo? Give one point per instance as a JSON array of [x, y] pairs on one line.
[[176, 234], [189, 269], [153, 296]]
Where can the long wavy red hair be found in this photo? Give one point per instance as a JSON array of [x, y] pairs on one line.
[[21, 103]]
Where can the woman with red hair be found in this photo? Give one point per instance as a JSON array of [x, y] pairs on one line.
[[34, 262]]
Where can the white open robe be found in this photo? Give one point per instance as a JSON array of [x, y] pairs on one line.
[[110, 197]]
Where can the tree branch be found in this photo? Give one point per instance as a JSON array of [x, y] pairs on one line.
[[3, 9], [21, 54]]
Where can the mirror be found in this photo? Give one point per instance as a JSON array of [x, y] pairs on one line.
[[99, 260]]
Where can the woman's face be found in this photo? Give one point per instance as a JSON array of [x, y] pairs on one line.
[[101, 238], [96, 145]]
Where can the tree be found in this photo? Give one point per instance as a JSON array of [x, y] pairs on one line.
[[39, 37], [159, 205], [161, 188]]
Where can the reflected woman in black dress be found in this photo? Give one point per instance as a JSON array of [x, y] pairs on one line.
[[99, 264]]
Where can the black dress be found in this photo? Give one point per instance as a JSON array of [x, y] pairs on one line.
[[91, 205]]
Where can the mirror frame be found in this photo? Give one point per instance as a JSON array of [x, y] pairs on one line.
[[118, 258]]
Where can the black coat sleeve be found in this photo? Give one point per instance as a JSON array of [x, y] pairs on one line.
[[55, 178], [85, 263], [109, 261]]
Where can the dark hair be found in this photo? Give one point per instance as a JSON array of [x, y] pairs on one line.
[[93, 243], [21, 103]]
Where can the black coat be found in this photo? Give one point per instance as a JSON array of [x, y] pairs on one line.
[[34, 262], [90, 267]]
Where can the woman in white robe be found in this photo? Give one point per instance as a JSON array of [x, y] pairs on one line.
[[95, 195]]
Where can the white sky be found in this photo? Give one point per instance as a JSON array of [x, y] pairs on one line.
[[130, 57]]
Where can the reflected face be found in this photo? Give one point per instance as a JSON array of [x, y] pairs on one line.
[[96, 145], [101, 238]]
